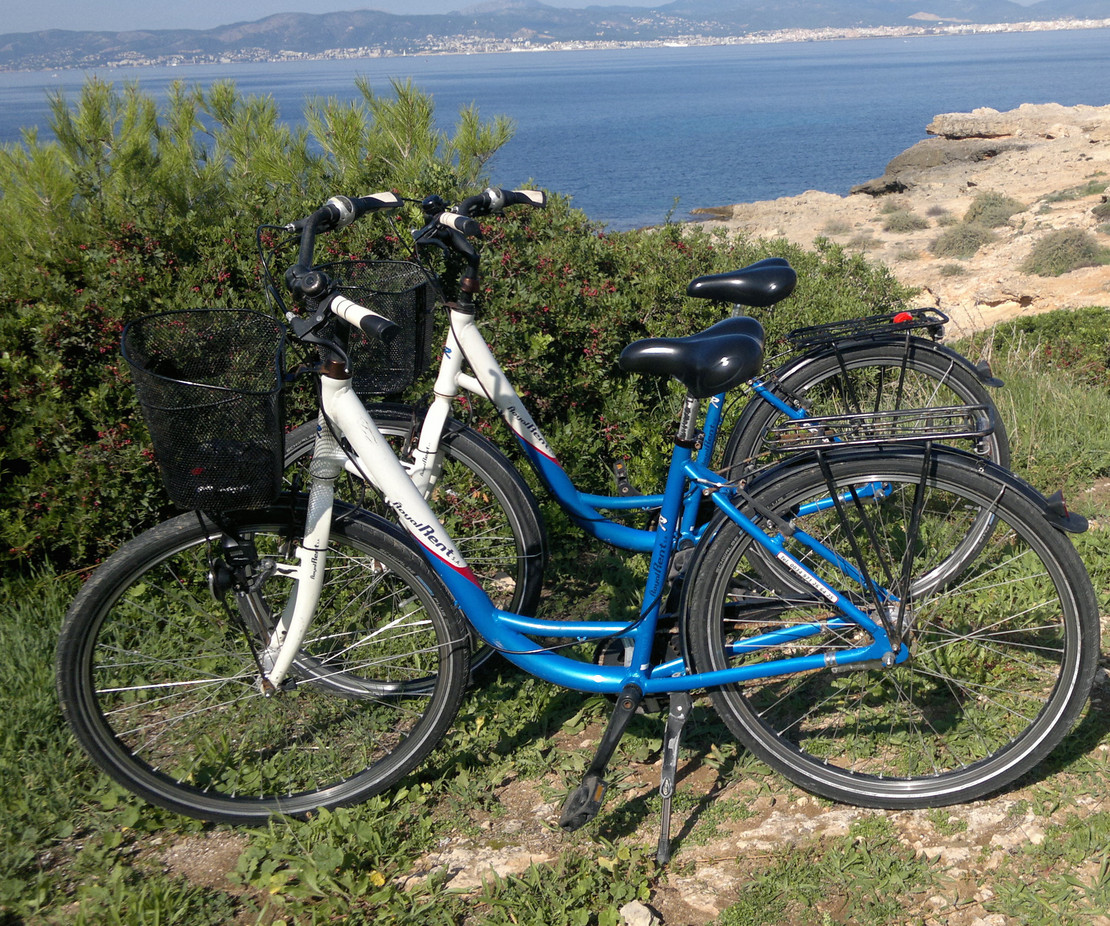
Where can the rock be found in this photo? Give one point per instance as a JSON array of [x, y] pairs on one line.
[[469, 866], [635, 913], [1047, 120], [914, 164]]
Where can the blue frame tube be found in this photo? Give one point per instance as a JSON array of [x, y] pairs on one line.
[[586, 509], [505, 631]]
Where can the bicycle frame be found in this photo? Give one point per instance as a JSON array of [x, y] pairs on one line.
[[465, 342], [342, 410]]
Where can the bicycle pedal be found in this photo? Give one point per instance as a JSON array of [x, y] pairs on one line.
[[583, 803]]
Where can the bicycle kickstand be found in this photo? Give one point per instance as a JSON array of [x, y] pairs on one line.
[[583, 803], [679, 713]]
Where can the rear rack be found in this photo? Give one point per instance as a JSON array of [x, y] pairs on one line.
[[906, 425], [871, 326]]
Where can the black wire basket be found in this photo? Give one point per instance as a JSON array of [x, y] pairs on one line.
[[400, 290], [209, 385]]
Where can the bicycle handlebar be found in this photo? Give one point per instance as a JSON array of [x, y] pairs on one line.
[[492, 201], [340, 211], [450, 229]]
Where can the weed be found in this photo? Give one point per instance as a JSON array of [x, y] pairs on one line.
[[961, 241], [578, 890], [945, 823], [836, 227], [992, 209], [953, 270], [1102, 210], [904, 221], [1064, 250]]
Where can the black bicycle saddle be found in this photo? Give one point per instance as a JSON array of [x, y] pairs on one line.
[[759, 285], [711, 361]]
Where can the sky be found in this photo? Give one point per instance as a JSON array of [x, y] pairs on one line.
[[118, 15]]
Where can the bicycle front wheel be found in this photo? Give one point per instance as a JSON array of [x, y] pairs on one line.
[[1002, 656], [486, 506], [160, 684]]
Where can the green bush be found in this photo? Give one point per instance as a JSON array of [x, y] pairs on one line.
[[564, 298], [129, 213], [126, 214], [961, 241], [1064, 250], [1101, 211], [992, 210]]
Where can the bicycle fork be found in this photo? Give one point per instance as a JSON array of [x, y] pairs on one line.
[[307, 572]]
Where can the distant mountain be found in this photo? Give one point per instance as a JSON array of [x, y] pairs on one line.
[[501, 24], [759, 15]]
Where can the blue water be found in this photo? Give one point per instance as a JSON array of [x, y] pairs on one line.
[[627, 133]]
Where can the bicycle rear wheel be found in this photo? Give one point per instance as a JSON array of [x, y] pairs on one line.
[[1002, 656], [868, 376], [160, 684]]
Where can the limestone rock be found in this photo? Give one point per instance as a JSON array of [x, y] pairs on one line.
[[1054, 160]]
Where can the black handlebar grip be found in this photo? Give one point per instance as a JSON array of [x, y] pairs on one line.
[[460, 223], [380, 327], [371, 323], [343, 210], [494, 200], [375, 202], [478, 204], [537, 198]]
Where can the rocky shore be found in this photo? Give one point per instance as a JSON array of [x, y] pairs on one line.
[[1053, 159]]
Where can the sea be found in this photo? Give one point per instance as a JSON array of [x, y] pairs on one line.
[[640, 136]]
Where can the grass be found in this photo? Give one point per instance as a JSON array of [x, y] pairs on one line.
[[1057, 394], [1090, 188], [75, 849]]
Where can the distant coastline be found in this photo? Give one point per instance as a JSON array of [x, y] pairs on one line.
[[470, 45]]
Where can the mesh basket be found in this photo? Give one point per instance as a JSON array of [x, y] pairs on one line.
[[400, 291], [209, 384]]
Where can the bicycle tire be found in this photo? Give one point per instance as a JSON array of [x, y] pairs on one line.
[[881, 375], [1003, 656], [861, 377], [159, 684], [489, 511]]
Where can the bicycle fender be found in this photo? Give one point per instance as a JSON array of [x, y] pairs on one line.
[[980, 370]]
